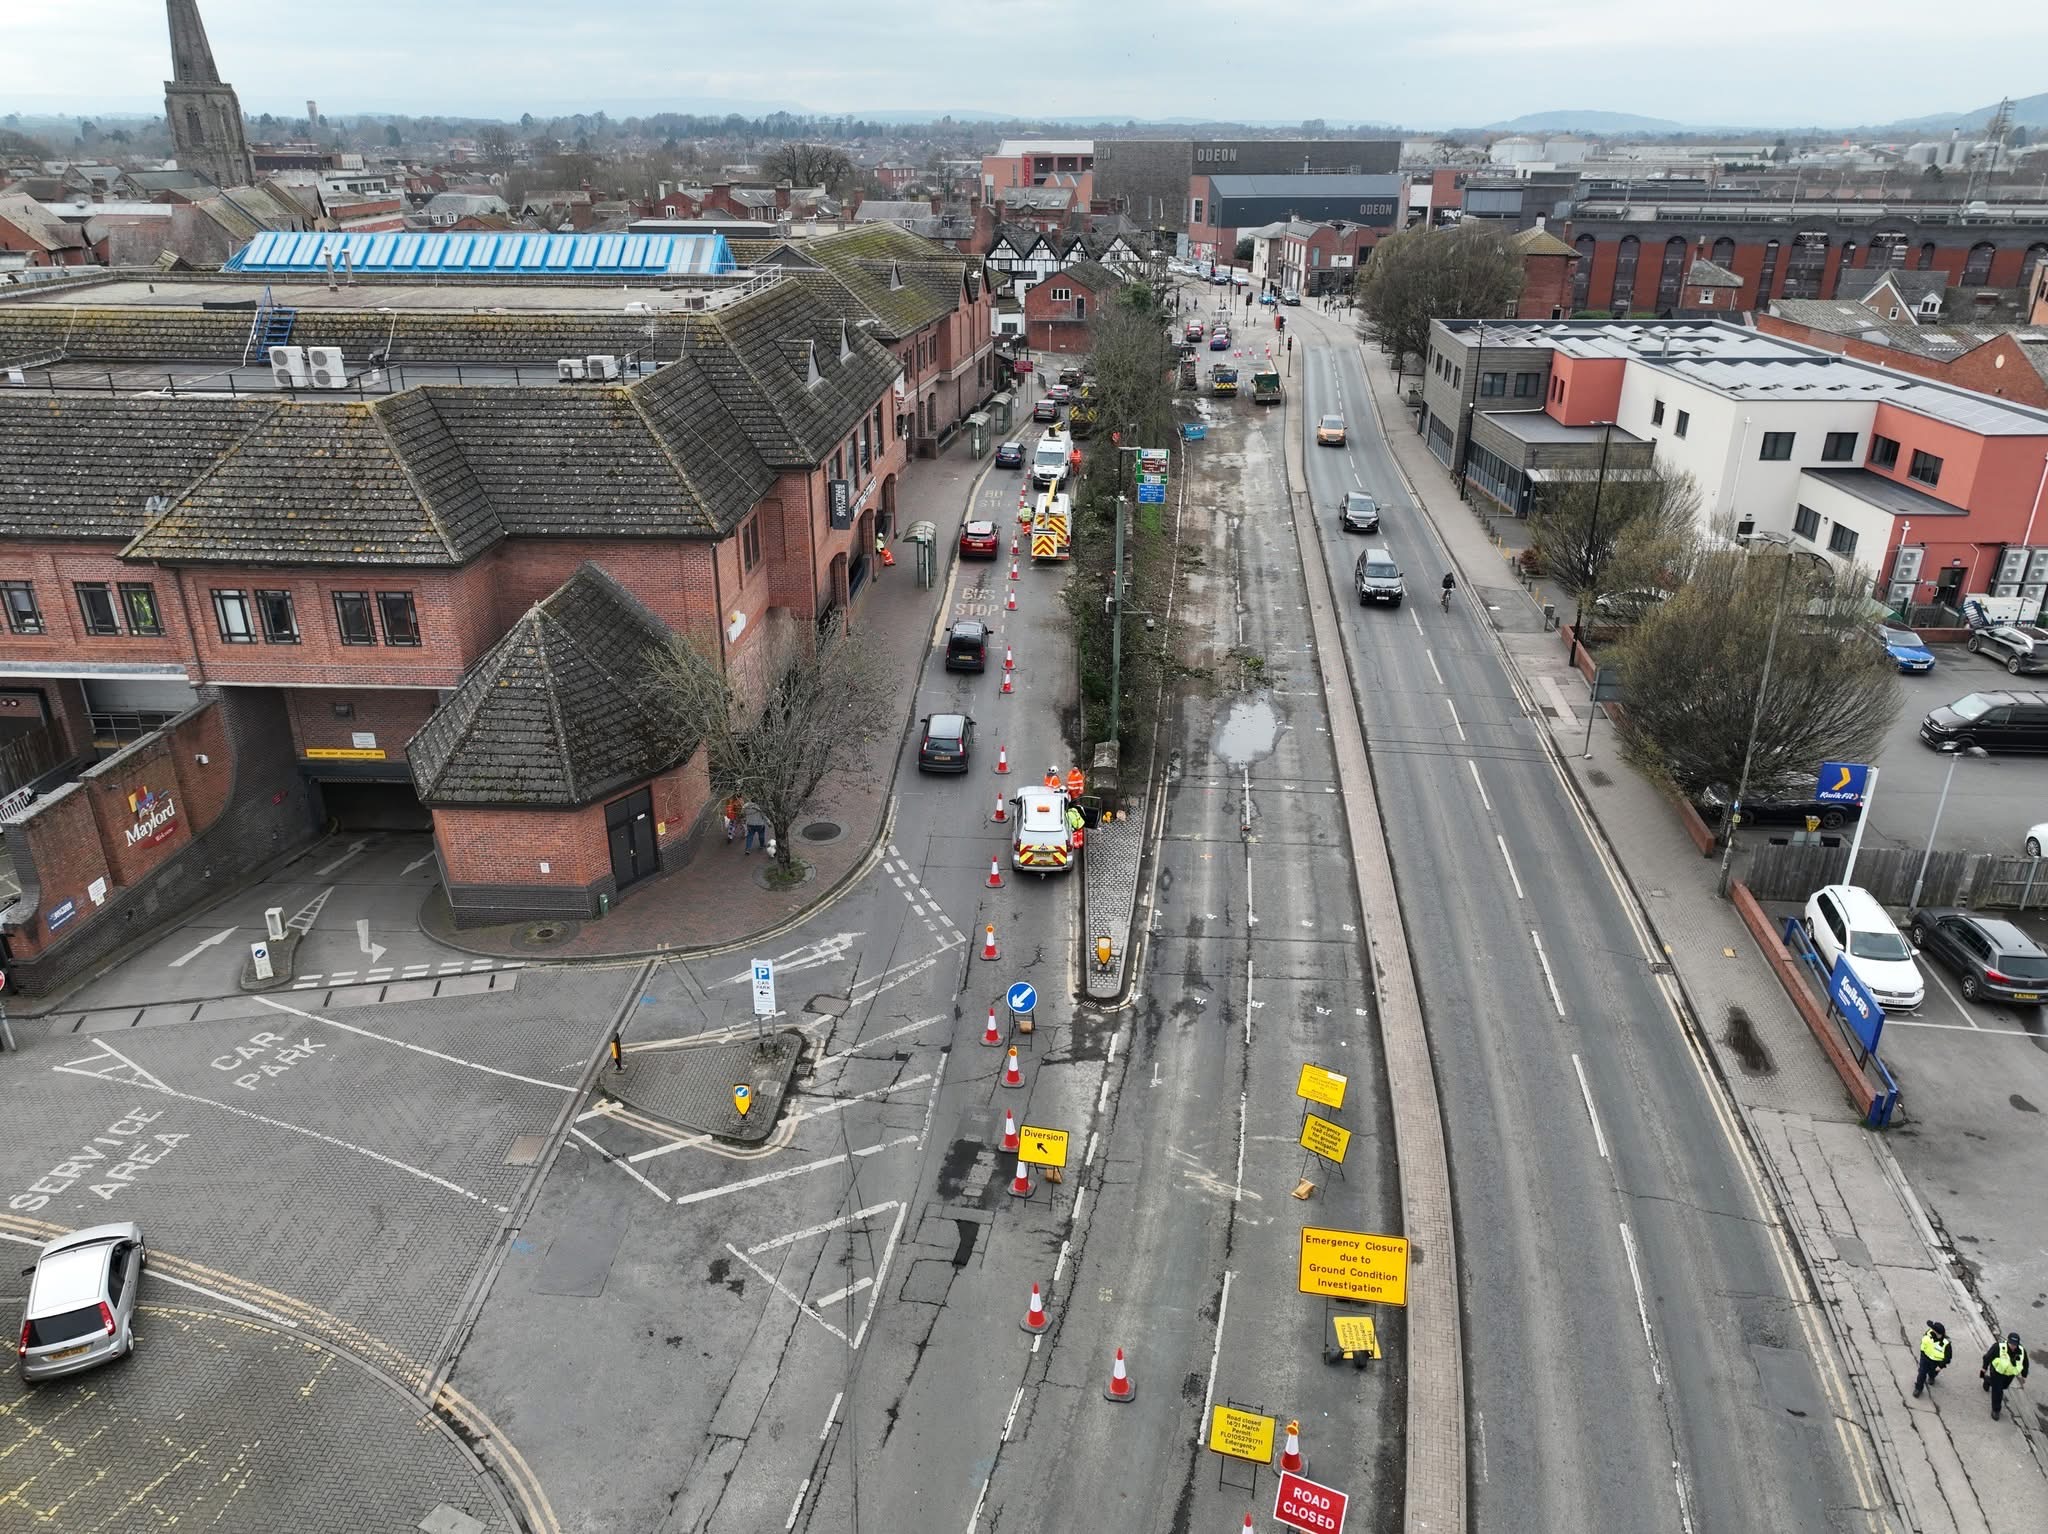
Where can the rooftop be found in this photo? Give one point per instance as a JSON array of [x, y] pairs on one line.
[[525, 254], [1540, 427], [1318, 186], [1012, 148], [1887, 495]]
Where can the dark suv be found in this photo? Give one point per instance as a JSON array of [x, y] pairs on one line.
[[967, 645], [1997, 721], [946, 743], [1993, 960]]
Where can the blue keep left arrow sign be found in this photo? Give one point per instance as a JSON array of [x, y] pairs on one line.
[[1022, 997]]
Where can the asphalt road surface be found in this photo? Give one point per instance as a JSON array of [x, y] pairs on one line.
[[1641, 1351]]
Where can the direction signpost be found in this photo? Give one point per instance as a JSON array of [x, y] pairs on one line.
[[1041, 1147], [764, 988]]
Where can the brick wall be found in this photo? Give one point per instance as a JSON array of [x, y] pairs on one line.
[[392, 715], [1546, 287], [445, 604], [55, 569], [1998, 367]]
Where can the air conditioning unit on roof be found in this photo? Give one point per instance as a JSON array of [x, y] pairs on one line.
[[288, 367], [326, 367], [602, 367], [570, 369]]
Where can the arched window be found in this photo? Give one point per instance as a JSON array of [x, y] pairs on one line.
[[1582, 279], [194, 127], [1724, 251], [1927, 257], [1843, 268], [1769, 275], [1625, 256], [2036, 254], [1671, 276], [1977, 269]]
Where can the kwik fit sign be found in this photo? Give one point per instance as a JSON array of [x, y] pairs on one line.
[[156, 817]]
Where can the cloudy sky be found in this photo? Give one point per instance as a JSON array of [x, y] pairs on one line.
[[1428, 64]]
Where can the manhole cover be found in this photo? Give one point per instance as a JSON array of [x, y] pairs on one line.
[[525, 1150], [821, 831], [542, 934]]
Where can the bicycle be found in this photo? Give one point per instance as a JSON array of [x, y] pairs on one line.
[[1445, 600]]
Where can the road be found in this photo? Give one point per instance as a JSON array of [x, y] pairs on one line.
[[1641, 1349]]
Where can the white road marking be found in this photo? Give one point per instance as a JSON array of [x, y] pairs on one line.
[[1585, 1091], [374, 950], [1549, 979], [702, 1194], [1010, 1421], [354, 849], [621, 1165], [1416, 618], [418, 862], [831, 1415], [302, 920], [1430, 656], [1913, 1022], [418, 1049], [826, 951], [686, 1142], [1216, 1352], [197, 949], [797, 1506], [882, 1272], [1951, 995], [1089, 1158], [1628, 1242], [819, 1229], [1502, 842], [878, 1038], [1488, 803], [1155, 1073], [785, 1291], [1243, 1107], [1454, 718]]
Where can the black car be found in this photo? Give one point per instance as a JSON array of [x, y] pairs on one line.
[[1360, 513], [1774, 810], [1996, 721], [1010, 455], [945, 744], [967, 645], [1992, 960], [1047, 409]]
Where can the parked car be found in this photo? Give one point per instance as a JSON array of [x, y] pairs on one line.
[[1268, 298], [1996, 721], [978, 540], [82, 1291], [1992, 959], [1848, 921], [947, 742], [1378, 578], [1908, 651], [2020, 648], [1773, 810], [1330, 431], [1070, 375], [1047, 409], [1009, 455], [967, 645], [1359, 513], [2037, 839], [1625, 607]]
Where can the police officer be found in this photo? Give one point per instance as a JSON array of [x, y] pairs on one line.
[[1935, 1352], [2004, 1362]]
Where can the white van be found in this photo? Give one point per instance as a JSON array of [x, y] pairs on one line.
[[1049, 459], [1042, 844], [1847, 920]]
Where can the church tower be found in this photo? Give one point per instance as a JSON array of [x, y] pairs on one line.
[[205, 116]]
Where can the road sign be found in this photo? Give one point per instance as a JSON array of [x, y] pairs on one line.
[[1151, 495], [1321, 1086], [259, 958], [1327, 1140], [1302, 1504], [1353, 1265], [1153, 460], [1852, 997], [1241, 1434], [1022, 998], [1841, 782], [764, 988], [1042, 1147], [742, 1097], [1356, 1334]]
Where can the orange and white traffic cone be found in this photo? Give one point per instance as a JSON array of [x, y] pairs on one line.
[[1002, 759], [1009, 659], [1002, 810], [1121, 1386], [1290, 1456], [995, 873], [1007, 689], [1009, 1130], [988, 942], [1013, 1074], [1012, 604], [1013, 569], [1020, 1185], [990, 1035], [1034, 1318]]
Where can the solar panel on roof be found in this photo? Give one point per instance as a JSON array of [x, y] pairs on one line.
[[484, 254]]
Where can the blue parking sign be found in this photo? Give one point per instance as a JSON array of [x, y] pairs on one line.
[[1841, 782]]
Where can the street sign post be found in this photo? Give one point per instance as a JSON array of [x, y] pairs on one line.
[[1353, 1265], [1320, 1136], [1841, 782], [1041, 1147], [1303, 1504], [1320, 1086], [1151, 495], [259, 958], [742, 1097], [1022, 999], [1241, 1434], [764, 988]]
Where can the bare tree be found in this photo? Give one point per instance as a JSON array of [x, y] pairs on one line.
[[1132, 361], [1633, 530], [792, 712], [1692, 669], [809, 165], [1465, 272]]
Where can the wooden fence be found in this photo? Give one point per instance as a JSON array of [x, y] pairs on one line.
[[1983, 880]]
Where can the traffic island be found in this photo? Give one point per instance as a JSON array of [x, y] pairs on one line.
[[698, 1088], [282, 951]]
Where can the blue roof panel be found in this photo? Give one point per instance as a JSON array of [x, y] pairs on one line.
[[642, 255]]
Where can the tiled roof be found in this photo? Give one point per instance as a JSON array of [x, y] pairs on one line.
[[1092, 275], [554, 713], [1541, 242], [901, 279], [1701, 274], [1912, 286]]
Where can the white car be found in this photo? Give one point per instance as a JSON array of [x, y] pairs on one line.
[[2037, 838], [1846, 920]]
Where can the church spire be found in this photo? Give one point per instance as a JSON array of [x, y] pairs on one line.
[[191, 58], [205, 116]]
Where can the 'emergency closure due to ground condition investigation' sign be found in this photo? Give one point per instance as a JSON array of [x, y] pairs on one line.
[[1354, 1265]]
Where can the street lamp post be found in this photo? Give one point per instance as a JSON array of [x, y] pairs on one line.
[[1940, 804]]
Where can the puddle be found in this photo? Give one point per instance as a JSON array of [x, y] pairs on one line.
[[1248, 731]]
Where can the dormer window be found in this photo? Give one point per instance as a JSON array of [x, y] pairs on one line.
[[895, 277], [812, 377], [845, 345]]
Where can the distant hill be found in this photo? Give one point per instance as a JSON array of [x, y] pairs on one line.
[[1589, 121], [2027, 112]]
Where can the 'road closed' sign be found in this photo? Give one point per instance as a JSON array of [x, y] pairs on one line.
[[1354, 1265], [1302, 1504]]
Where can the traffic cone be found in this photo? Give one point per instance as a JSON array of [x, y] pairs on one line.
[[995, 874], [1034, 1318], [1006, 689], [1020, 1185], [1013, 1074], [989, 1035], [1011, 606], [1290, 1456], [1013, 569], [1009, 1130], [1121, 1386], [1002, 810], [1002, 759], [1009, 659], [988, 942]]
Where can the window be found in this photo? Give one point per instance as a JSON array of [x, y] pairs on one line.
[[867, 448], [23, 616], [401, 623], [1884, 453], [750, 543], [1926, 468], [1684, 423], [1457, 378], [96, 605], [1493, 385], [1777, 447], [1840, 447], [839, 463], [879, 438], [1656, 412], [1081, 308], [1806, 523], [138, 606], [1062, 295], [1525, 385], [280, 623], [1842, 540], [231, 612], [352, 617]]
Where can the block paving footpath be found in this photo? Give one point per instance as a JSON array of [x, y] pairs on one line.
[[1874, 1258]]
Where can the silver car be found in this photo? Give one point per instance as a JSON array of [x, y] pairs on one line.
[[81, 1301]]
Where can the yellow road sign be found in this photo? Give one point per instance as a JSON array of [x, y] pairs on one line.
[[1321, 1086], [1353, 1265], [1042, 1147], [343, 754], [1327, 1140], [742, 1097], [1240, 1434], [1355, 1334]]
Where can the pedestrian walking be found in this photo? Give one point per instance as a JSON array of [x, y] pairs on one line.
[[757, 827], [734, 808], [1935, 1351], [2004, 1363]]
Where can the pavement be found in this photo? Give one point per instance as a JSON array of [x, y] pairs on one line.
[[1873, 1218]]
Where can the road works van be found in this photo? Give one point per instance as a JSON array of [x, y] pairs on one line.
[[1042, 844]]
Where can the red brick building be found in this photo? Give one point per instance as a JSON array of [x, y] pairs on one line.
[[1057, 310], [29, 229], [1547, 267]]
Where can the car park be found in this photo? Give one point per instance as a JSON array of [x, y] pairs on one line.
[[1358, 513], [1906, 649], [1847, 922], [1624, 607], [1047, 409], [2020, 648], [946, 744], [978, 540], [1378, 578], [1010, 455], [82, 1292], [1992, 721], [1330, 431], [1774, 810], [967, 645], [1992, 959]]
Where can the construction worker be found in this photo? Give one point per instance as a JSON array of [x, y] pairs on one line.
[[1077, 785], [1076, 825], [2004, 1362], [1935, 1352], [1052, 778]]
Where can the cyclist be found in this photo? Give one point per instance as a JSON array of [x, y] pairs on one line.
[[1450, 584]]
